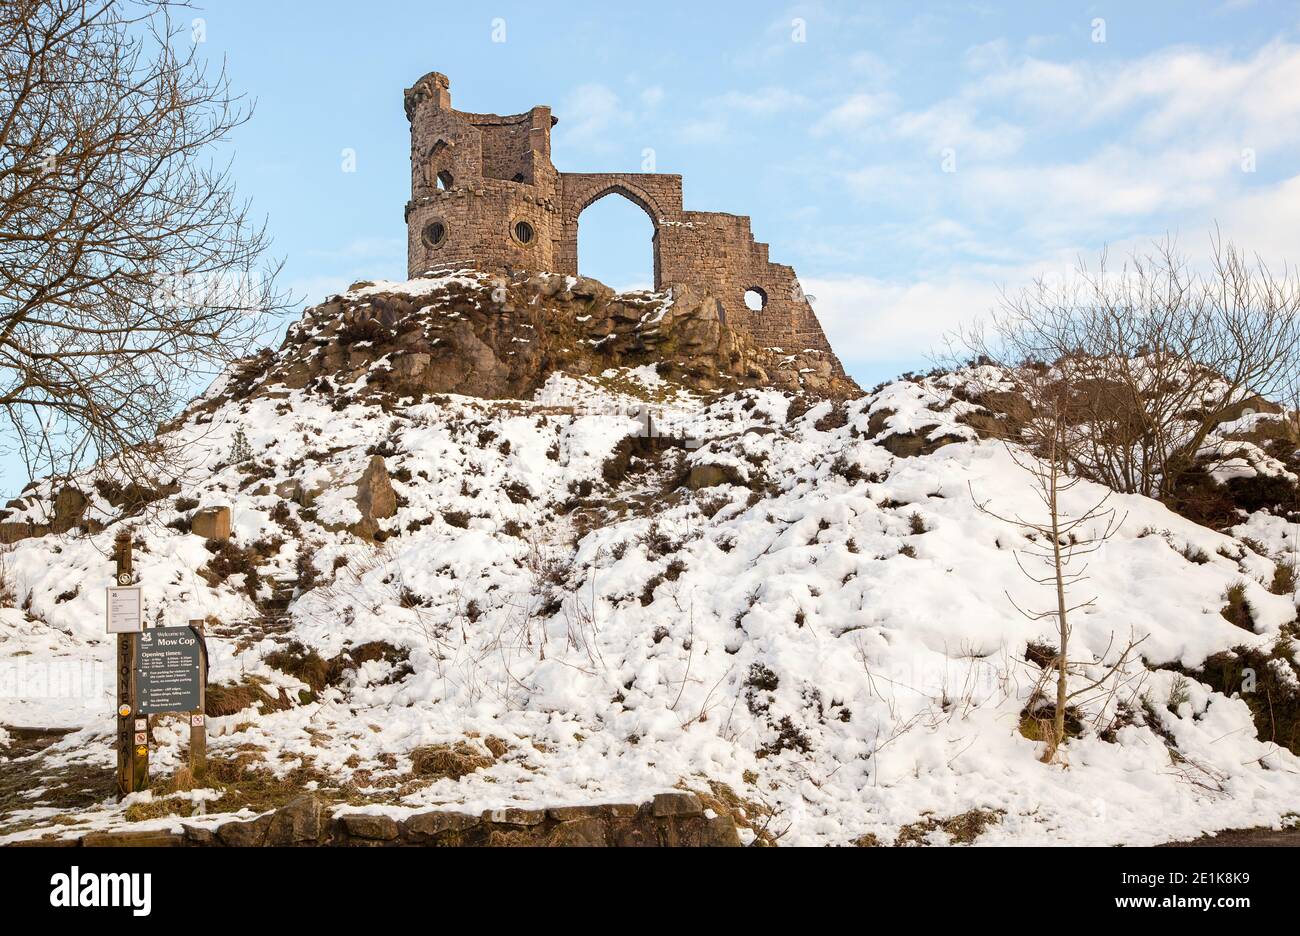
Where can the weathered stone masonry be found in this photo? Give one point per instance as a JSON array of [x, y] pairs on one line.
[[485, 194]]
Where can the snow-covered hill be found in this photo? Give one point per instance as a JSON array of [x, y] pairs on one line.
[[764, 596]]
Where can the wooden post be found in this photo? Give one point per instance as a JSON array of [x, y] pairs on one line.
[[198, 718], [132, 757], [125, 714]]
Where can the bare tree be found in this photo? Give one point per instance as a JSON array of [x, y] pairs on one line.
[[1060, 543], [129, 270], [1143, 363]]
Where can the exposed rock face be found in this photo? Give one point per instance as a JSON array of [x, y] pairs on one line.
[[69, 507], [68, 510], [500, 338], [211, 523], [11, 531], [705, 476], [375, 498]]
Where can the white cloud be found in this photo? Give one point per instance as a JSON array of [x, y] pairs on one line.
[[363, 248], [313, 289], [987, 55], [1054, 89], [955, 125], [1114, 183], [1267, 221], [854, 114], [1184, 91], [591, 112], [764, 101], [1166, 102], [1154, 143], [703, 131], [872, 320], [871, 66], [713, 124], [1055, 160]]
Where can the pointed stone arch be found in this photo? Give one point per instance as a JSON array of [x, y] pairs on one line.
[[659, 196], [638, 198], [437, 162], [622, 227]]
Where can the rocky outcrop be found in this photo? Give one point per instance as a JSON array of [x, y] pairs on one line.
[[500, 337], [11, 531], [211, 523], [376, 499], [68, 510]]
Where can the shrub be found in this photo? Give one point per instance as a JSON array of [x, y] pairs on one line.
[[368, 329], [1179, 693], [229, 559], [1284, 579], [1237, 609], [1262, 492], [240, 450]]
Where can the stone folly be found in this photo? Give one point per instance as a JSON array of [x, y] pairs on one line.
[[484, 194]]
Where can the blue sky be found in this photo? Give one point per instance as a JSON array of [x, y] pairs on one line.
[[830, 124], [836, 145]]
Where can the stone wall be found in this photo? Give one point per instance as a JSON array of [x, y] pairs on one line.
[[497, 172], [480, 221], [708, 247], [669, 820]]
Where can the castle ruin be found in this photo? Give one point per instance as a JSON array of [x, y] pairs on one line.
[[484, 194]]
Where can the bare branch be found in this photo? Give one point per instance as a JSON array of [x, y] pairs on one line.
[[130, 273]]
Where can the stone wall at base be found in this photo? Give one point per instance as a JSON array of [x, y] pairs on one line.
[[669, 820]]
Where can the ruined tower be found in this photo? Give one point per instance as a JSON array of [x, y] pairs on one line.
[[485, 194]]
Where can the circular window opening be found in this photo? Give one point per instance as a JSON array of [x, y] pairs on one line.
[[523, 232], [435, 234], [755, 299]]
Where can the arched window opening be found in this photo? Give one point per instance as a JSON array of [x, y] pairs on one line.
[[444, 181], [755, 299], [616, 243]]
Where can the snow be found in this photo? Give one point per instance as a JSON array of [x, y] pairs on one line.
[[798, 640]]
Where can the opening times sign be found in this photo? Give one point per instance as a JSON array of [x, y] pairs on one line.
[[167, 670]]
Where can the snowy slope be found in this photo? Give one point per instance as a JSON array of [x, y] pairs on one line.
[[830, 631]]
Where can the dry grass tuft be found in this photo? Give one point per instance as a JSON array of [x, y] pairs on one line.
[[962, 829], [450, 761]]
